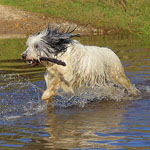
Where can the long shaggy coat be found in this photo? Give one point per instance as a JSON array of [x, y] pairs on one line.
[[84, 65]]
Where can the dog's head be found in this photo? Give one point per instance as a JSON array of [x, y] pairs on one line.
[[48, 44]]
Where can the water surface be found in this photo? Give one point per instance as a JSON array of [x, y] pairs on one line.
[[79, 123]]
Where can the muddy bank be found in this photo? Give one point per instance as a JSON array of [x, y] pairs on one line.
[[17, 23]]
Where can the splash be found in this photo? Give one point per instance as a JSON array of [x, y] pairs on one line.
[[88, 95], [144, 88], [18, 97]]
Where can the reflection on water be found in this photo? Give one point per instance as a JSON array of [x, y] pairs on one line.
[[80, 122]]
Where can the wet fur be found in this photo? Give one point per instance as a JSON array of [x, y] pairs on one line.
[[85, 65]]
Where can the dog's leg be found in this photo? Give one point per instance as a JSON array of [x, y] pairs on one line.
[[66, 87], [49, 93], [51, 82], [123, 81]]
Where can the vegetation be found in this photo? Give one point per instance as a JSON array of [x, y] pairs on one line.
[[11, 48], [109, 15]]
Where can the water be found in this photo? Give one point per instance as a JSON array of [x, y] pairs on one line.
[[89, 120]]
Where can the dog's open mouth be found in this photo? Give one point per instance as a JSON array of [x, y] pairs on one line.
[[35, 62]]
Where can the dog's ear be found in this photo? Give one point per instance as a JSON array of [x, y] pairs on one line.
[[68, 35], [56, 39], [54, 36]]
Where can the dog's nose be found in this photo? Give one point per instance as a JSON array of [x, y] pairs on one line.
[[24, 56]]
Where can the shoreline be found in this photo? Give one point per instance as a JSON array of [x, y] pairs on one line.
[[18, 23], [20, 18]]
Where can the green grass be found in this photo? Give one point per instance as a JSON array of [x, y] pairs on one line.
[[130, 16], [11, 48]]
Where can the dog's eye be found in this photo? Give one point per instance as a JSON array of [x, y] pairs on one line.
[[36, 46]]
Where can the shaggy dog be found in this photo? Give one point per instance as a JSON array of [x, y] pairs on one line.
[[71, 65]]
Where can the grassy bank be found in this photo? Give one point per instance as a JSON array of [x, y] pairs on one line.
[[109, 15]]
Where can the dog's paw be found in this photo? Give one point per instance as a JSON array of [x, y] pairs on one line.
[[47, 95], [134, 92]]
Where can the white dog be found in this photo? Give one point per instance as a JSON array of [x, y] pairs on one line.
[[71, 65]]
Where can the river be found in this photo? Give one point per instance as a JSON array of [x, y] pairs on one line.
[[118, 123]]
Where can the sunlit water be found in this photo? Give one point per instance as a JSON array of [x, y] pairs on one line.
[[94, 118]]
